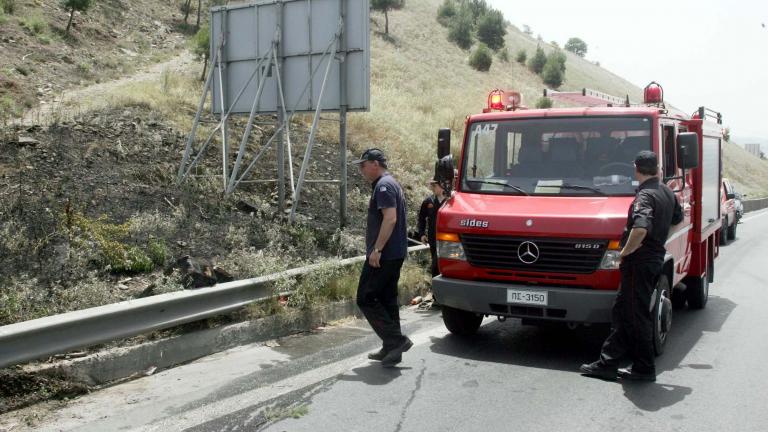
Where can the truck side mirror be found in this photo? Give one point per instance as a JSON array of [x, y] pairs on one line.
[[445, 170], [443, 143], [688, 150]]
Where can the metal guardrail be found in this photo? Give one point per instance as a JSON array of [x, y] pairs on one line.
[[43, 337]]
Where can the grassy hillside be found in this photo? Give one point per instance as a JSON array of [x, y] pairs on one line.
[[422, 82]]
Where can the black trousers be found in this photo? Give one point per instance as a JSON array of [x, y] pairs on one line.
[[377, 299], [632, 324], [433, 252]]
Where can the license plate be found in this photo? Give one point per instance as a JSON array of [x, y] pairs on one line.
[[537, 298]]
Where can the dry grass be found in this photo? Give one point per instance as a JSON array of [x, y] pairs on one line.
[[749, 173]]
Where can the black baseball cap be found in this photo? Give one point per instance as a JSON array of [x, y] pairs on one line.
[[646, 159], [372, 154]]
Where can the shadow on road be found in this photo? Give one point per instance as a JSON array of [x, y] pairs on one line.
[[374, 374], [557, 348]]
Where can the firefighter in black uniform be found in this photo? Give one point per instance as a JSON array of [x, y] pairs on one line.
[[654, 210], [427, 220]]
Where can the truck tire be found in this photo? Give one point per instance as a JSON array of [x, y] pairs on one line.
[[732, 231], [662, 315], [697, 291], [461, 322], [678, 299], [723, 233]]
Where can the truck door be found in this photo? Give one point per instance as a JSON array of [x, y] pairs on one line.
[[678, 244]]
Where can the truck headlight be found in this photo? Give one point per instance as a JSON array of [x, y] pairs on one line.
[[611, 260], [450, 250], [449, 246]]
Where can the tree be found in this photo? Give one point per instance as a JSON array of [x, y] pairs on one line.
[[727, 134], [478, 8], [460, 31], [199, 9], [576, 46], [537, 62], [385, 6], [481, 59], [553, 71], [491, 29], [75, 5], [504, 55], [201, 46], [527, 30], [522, 56], [186, 9]]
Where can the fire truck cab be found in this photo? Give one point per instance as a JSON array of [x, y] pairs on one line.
[[541, 198]]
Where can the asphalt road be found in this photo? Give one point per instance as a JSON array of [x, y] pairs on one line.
[[712, 376]]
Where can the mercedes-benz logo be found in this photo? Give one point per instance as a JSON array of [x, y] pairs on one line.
[[528, 252]]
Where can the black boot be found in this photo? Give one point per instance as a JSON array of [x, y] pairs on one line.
[[599, 369]]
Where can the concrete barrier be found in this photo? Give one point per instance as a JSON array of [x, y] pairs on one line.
[[755, 204]]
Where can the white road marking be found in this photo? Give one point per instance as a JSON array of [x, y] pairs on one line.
[[755, 215]]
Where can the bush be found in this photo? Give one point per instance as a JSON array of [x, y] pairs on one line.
[[544, 102], [446, 12], [491, 29], [8, 6], [460, 31], [481, 59], [537, 62], [553, 72], [522, 56], [576, 46], [504, 55], [35, 24]]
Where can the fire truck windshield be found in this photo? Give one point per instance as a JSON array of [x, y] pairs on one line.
[[584, 156]]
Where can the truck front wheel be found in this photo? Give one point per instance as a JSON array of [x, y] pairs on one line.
[[662, 315], [731, 232], [461, 322]]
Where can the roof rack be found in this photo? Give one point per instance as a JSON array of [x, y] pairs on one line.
[[588, 97], [706, 113]]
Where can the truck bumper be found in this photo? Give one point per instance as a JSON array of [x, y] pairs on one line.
[[490, 298]]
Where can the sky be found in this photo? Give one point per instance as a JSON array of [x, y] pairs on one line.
[[704, 52]]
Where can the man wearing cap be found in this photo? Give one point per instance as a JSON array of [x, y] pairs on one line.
[[386, 242], [427, 220], [652, 213]]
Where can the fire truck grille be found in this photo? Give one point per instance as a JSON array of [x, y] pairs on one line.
[[534, 254]]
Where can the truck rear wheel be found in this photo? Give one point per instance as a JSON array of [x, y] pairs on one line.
[[697, 290], [662, 315], [461, 322], [723, 234]]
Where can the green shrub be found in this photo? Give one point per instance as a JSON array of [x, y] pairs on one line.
[[35, 24], [544, 102], [553, 72], [8, 6], [537, 62], [522, 56], [504, 55], [460, 31], [157, 252], [481, 59], [446, 12], [491, 29]]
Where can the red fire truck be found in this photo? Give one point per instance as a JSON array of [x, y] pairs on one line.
[[541, 197]]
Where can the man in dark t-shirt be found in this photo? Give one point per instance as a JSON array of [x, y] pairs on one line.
[[386, 245]]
